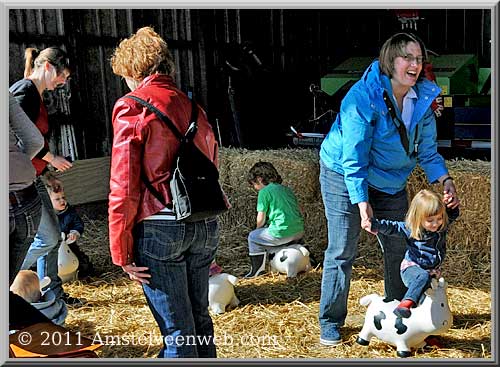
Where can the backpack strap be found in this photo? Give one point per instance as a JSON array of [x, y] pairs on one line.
[[193, 125], [191, 131], [159, 114]]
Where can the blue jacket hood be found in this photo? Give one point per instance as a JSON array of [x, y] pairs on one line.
[[364, 144]]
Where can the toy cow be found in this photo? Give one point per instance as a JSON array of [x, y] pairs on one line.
[[290, 260], [431, 317], [221, 292], [67, 262]]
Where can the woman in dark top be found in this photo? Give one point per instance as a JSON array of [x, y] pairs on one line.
[[46, 69]]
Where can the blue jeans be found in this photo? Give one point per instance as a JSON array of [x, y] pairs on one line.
[[417, 280], [178, 256], [259, 240], [24, 219], [343, 221], [44, 248]]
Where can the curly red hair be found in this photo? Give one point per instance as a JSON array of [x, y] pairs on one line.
[[142, 54]]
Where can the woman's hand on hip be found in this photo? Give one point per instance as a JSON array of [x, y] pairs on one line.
[[137, 273]]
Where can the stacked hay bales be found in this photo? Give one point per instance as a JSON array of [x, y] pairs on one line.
[[299, 170], [469, 240]]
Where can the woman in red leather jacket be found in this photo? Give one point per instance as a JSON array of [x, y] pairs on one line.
[[170, 259]]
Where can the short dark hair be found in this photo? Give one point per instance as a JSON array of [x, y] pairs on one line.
[[394, 47], [264, 170]]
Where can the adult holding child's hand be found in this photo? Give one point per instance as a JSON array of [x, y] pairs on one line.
[[450, 192], [384, 127]]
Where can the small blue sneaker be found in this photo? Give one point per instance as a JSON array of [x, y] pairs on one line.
[[330, 338]]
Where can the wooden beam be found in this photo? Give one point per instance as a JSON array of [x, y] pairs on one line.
[[87, 181]]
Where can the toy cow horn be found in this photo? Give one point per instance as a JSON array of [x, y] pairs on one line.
[[434, 283], [442, 283]]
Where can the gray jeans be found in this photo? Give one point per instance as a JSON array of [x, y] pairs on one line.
[[259, 240]]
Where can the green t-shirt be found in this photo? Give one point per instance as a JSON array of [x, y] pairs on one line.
[[282, 210]]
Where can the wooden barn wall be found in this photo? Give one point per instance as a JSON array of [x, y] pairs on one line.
[[299, 45]]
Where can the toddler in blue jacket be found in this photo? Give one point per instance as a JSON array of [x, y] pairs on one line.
[[424, 230], [71, 224]]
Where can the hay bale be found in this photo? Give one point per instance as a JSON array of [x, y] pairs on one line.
[[299, 169], [469, 240]]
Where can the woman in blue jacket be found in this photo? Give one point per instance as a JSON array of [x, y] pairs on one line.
[[385, 126]]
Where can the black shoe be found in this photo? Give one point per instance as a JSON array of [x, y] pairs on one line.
[[73, 301], [258, 265], [86, 270]]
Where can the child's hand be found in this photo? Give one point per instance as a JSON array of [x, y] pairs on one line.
[[261, 220], [73, 236], [435, 273], [54, 183], [447, 198]]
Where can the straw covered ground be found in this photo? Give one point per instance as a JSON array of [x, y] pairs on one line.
[[277, 317]]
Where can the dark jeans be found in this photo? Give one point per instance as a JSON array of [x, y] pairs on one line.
[[344, 226], [392, 207], [179, 256], [24, 217]]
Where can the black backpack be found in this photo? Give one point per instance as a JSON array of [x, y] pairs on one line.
[[194, 185]]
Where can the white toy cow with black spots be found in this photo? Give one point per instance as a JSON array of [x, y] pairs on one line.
[[290, 260], [431, 317]]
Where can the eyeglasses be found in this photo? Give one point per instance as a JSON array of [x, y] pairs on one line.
[[410, 58]]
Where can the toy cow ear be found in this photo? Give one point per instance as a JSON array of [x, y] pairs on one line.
[[232, 279]]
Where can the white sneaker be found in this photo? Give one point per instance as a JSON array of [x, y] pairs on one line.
[[329, 342]]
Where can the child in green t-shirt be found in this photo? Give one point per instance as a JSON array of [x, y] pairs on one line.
[[279, 219]]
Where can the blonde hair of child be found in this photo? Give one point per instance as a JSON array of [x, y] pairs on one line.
[[425, 204], [27, 285]]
